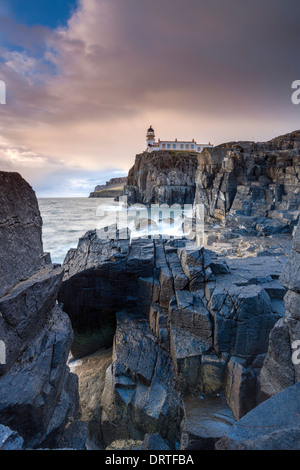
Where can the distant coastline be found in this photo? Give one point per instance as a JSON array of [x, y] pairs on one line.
[[113, 188]]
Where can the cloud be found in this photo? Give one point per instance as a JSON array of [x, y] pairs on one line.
[[84, 94]]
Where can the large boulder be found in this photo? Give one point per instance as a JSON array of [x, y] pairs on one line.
[[38, 395], [20, 232]]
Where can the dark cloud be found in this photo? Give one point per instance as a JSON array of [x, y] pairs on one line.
[[211, 70]]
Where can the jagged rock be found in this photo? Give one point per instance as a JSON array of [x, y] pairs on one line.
[[243, 319], [187, 350], [20, 232], [187, 311], [91, 371], [273, 425], [102, 277], [25, 309], [240, 387], [278, 371], [139, 395], [38, 381], [252, 179], [38, 395], [10, 440], [155, 442]]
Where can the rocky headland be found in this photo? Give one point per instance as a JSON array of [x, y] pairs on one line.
[[113, 188], [176, 345]]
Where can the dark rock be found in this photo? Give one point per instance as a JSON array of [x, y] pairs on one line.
[[10, 440], [162, 177], [240, 387], [74, 436], [155, 442], [206, 420], [21, 247], [273, 425], [38, 395], [35, 383], [278, 371], [150, 403]]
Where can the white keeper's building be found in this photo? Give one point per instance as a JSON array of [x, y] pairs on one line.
[[176, 145]]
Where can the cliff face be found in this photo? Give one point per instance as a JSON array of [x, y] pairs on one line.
[[239, 179], [162, 177], [251, 179], [38, 395]]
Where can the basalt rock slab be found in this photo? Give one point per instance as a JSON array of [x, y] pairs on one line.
[[20, 231], [30, 393], [140, 389], [25, 309], [273, 425], [206, 420], [279, 371], [192, 322]]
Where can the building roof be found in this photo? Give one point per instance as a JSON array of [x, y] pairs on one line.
[[150, 129]]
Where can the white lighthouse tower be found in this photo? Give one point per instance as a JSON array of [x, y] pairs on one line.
[[150, 138]]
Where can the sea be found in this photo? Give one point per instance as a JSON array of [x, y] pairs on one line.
[[65, 220]]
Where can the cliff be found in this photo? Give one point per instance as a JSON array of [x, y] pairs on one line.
[[162, 177], [235, 179], [251, 179], [38, 394]]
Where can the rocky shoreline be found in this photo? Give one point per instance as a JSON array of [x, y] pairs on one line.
[[174, 345]]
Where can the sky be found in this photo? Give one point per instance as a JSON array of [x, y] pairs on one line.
[[85, 79]]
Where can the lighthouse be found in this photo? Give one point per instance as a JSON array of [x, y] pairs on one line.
[[174, 145], [150, 138]]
